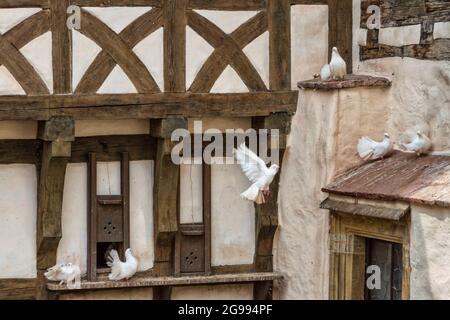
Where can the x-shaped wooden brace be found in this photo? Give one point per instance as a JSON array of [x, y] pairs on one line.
[[117, 49], [13, 59], [228, 51]]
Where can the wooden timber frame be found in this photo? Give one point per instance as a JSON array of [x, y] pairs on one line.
[[269, 106]]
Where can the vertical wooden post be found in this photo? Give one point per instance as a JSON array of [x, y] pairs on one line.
[[162, 293], [267, 214], [175, 45], [340, 29], [165, 194], [279, 16], [125, 193], [263, 290], [57, 134], [62, 47], [92, 216]]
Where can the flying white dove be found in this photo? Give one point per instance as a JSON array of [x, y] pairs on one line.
[[121, 270], [257, 172], [373, 150], [338, 66], [421, 144], [67, 273], [325, 73]]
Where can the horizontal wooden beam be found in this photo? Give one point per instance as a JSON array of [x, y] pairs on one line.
[[17, 289], [310, 2], [117, 3], [19, 151], [140, 282], [24, 3], [147, 106], [228, 4], [110, 148]]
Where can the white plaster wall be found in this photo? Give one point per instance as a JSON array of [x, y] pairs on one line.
[[73, 245], [217, 292], [441, 30], [232, 218], [191, 206], [430, 253], [400, 36], [18, 221], [18, 129], [309, 41]]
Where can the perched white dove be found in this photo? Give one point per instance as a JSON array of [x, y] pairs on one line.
[[257, 172], [67, 273], [121, 270], [338, 66], [373, 150], [421, 144], [325, 73]]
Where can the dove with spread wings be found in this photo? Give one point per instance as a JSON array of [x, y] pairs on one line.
[[257, 172], [121, 270], [67, 273]]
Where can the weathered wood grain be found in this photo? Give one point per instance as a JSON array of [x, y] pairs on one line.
[[340, 29], [61, 47], [17, 289], [144, 106], [227, 4], [175, 45], [279, 24], [350, 81], [19, 151], [24, 3], [117, 3], [104, 63], [29, 29]]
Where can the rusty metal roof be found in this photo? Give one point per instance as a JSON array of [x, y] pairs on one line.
[[403, 176]]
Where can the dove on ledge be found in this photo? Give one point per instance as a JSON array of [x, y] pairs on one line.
[[121, 270], [65, 273], [338, 67], [421, 144], [257, 172], [325, 73], [373, 150]]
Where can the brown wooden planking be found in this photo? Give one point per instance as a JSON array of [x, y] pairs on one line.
[[175, 45], [311, 2], [17, 289], [340, 25], [123, 55], [228, 51], [21, 69], [61, 47], [104, 63], [279, 24], [403, 176], [396, 13], [142, 106]]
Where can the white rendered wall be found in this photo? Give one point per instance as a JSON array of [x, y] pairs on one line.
[[18, 207]]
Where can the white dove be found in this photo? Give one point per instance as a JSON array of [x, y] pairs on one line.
[[421, 144], [325, 73], [121, 270], [65, 273], [257, 172], [338, 66], [372, 150]]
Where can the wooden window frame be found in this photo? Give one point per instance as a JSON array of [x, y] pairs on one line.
[[347, 251]]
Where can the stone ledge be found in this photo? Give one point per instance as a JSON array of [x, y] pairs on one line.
[[139, 282], [350, 81]]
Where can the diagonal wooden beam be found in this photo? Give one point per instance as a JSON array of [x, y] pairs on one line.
[[21, 69], [228, 51], [104, 63], [122, 54], [29, 29]]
